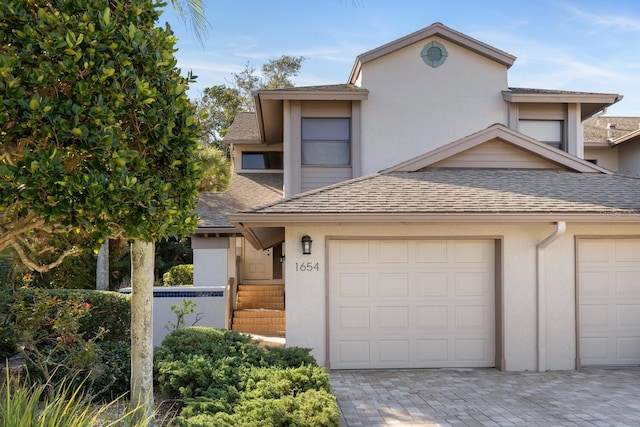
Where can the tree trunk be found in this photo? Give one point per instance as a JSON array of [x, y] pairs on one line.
[[102, 267], [142, 276]]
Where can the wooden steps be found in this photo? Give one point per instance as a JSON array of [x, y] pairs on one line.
[[260, 310]]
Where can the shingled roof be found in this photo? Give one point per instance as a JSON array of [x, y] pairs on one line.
[[474, 191], [604, 131], [243, 130], [245, 190]]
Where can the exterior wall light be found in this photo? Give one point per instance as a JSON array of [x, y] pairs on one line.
[[306, 245]]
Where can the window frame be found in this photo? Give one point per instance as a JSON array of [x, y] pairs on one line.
[[319, 140]]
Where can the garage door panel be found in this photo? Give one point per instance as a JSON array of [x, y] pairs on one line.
[[626, 250], [419, 306], [471, 283], [471, 317], [470, 351], [431, 284], [628, 316], [432, 353], [594, 283], [392, 285], [353, 285], [609, 301], [431, 251], [393, 317], [355, 318], [393, 351], [393, 251], [475, 251], [628, 349], [627, 283], [354, 352], [432, 317], [353, 252]]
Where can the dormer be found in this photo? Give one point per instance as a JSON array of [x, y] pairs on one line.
[[554, 116], [318, 130]]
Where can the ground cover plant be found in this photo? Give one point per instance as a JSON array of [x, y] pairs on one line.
[[224, 379]]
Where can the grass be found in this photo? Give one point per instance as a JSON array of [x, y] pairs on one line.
[[25, 405]]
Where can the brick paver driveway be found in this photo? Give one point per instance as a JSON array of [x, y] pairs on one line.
[[486, 397]]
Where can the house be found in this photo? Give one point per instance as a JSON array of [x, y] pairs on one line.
[[453, 221]]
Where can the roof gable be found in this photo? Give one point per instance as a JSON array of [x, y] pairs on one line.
[[435, 29], [497, 147]]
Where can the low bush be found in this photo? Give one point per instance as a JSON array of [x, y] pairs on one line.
[[110, 312], [224, 379], [64, 337], [178, 275]]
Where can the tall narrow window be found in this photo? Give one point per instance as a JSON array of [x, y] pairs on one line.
[[326, 142]]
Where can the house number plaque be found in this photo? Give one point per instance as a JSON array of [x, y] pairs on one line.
[[307, 266]]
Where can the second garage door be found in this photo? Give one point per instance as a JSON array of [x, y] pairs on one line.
[[609, 301], [411, 303]]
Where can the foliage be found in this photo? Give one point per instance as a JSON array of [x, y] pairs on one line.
[[178, 275], [77, 272], [216, 168], [188, 307], [113, 369], [30, 405], [97, 133], [218, 105], [48, 330], [62, 333], [224, 379]]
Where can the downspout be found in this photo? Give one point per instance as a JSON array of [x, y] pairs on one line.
[[561, 227]]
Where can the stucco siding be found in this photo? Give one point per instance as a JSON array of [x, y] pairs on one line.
[[306, 288], [403, 89]]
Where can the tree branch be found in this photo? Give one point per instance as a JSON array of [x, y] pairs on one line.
[[29, 263]]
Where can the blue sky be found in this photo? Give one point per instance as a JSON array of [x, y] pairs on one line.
[[580, 45]]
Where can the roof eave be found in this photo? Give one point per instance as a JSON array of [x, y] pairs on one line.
[[320, 95], [245, 221]]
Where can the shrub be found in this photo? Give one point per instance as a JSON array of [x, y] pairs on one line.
[[110, 311], [113, 370], [225, 380], [178, 275], [61, 331]]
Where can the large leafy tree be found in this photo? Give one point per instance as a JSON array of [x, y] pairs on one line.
[[97, 136], [219, 104]]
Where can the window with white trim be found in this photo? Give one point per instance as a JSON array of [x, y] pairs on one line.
[[326, 141]]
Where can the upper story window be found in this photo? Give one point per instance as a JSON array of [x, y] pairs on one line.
[[326, 142], [262, 160], [548, 131]]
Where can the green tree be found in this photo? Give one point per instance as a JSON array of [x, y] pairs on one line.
[[218, 105], [97, 137]]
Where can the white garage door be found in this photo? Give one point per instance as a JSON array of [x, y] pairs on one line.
[[609, 301], [411, 303]]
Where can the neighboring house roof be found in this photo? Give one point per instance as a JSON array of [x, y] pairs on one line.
[[590, 102], [606, 131], [244, 191], [243, 130], [436, 29]]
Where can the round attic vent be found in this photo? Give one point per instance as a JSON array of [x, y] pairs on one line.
[[434, 54]]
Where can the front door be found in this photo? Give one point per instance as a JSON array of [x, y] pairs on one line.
[[258, 264]]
